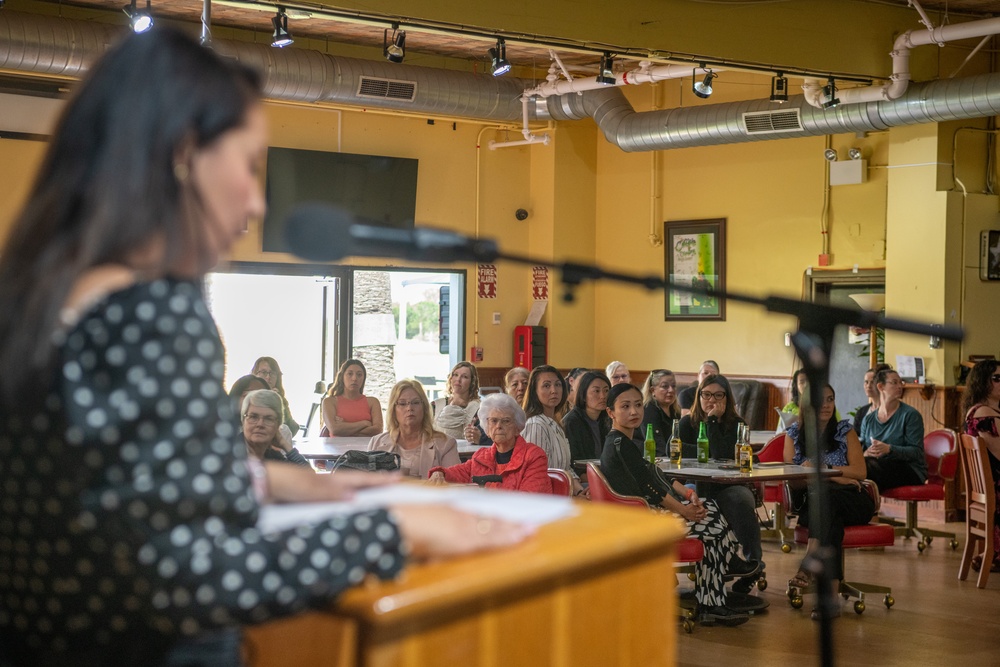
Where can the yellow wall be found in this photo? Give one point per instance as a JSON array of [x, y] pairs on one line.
[[19, 161]]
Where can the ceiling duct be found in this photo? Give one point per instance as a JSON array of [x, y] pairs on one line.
[[50, 45]]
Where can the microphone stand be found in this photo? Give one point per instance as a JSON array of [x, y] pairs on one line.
[[813, 344]]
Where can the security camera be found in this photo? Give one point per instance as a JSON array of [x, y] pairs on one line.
[[521, 214]]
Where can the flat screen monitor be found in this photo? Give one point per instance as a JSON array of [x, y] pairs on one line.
[[375, 189]]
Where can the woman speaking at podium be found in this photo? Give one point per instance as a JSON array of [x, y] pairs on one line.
[[128, 517]]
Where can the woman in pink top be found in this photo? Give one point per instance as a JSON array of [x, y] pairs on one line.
[[346, 410]]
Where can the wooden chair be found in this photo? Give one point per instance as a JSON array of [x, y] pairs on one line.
[[774, 494], [872, 534], [690, 551], [981, 497], [561, 485], [941, 453]]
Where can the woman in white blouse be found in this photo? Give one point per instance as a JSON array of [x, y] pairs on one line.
[[545, 397], [454, 413]]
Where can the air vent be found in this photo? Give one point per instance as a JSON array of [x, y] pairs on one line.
[[771, 122], [387, 89]]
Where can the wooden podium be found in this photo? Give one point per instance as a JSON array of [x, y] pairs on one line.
[[595, 589]]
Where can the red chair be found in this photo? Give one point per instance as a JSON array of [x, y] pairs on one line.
[[774, 494], [941, 453], [561, 485], [690, 551], [855, 537], [981, 495]]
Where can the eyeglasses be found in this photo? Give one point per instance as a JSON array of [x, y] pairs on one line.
[[502, 421], [266, 374], [717, 395], [408, 404], [253, 418]]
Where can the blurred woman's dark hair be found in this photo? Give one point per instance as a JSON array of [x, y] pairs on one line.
[[730, 415], [979, 383]]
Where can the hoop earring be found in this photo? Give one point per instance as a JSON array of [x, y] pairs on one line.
[[181, 172]]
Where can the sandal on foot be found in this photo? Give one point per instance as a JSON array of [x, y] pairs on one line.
[[802, 579]]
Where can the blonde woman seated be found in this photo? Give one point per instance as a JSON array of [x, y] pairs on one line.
[[266, 437], [545, 398], [457, 410], [511, 463], [411, 433], [346, 410]]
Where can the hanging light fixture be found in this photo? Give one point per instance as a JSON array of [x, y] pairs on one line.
[[140, 20], [779, 88], [606, 74], [499, 65], [703, 88], [830, 92], [281, 37], [394, 50]]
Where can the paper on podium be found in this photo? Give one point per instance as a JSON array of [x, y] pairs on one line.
[[526, 508]]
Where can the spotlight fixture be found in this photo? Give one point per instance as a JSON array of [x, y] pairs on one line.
[[140, 20], [394, 50], [281, 37], [703, 88], [499, 65], [855, 153], [830, 155], [779, 88], [830, 92], [606, 74]]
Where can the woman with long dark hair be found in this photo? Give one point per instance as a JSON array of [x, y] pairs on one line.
[[267, 368], [543, 401], [848, 503], [982, 420], [587, 424], [346, 409], [128, 524]]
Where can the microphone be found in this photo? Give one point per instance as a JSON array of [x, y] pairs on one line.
[[322, 233]]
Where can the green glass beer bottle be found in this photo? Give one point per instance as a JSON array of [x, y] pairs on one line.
[[702, 444], [650, 444]]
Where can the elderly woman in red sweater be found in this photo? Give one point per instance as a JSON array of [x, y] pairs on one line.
[[516, 463]]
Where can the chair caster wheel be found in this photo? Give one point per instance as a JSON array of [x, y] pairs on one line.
[[953, 544], [859, 607], [888, 601], [796, 602], [921, 546], [786, 548], [928, 540], [691, 576], [762, 584], [688, 626]]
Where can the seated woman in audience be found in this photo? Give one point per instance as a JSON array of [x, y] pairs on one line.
[[618, 373], [411, 433], [659, 396], [629, 474], [893, 437], [513, 463], [800, 385], [267, 368], [982, 420], [849, 504], [244, 386], [689, 395], [572, 378], [346, 410], [737, 502], [871, 391], [457, 409], [587, 424], [261, 417], [515, 383], [545, 397]]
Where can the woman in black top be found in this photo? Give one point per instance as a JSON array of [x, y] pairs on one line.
[[629, 474], [714, 408], [659, 396], [587, 424]]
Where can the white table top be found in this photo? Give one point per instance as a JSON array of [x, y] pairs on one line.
[[328, 448]]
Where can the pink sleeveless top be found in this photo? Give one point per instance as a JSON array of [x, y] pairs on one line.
[[356, 410]]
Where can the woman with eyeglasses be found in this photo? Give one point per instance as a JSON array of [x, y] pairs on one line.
[[659, 398], [587, 424], [510, 463], [714, 408], [411, 433], [267, 368], [982, 420], [893, 437], [346, 409], [266, 440]]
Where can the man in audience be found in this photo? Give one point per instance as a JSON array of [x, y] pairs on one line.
[[618, 373], [871, 391], [686, 398]]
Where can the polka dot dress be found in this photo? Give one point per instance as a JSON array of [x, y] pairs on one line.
[[127, 517]]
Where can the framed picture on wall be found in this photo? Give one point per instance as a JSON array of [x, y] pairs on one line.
[[695, 256], [989, 255]]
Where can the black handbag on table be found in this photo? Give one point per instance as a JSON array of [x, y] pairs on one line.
[[367, 461]]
